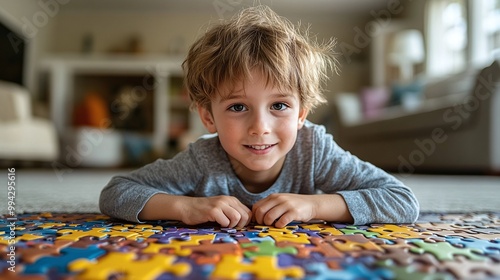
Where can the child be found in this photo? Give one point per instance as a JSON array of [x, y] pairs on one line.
[[253, 81]]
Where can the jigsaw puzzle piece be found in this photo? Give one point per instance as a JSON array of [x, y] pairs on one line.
[[318, 245], [362, 271], [170, 234], [135, 232], [51, 225], [89, 241], [32, 253], [127, 265], [261, 267], [60, 262], [283, 234], [320, 271], [411, 272], [488, 247], [352, 243], [266, 248], [75, 235], [444, 251], [397, 231], [210, 253], [399, 252], [356, 230], [464, 268], [176, 245], [318, 230], [350, 271]]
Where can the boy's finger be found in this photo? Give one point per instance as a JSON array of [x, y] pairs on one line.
[[274, 214], [284, 220], [234, 215], [221, 218], [259, 210], [243, 222], [249, 217]]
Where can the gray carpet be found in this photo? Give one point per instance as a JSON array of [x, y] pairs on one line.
[[39, 190]]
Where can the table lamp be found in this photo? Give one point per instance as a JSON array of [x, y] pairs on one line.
[[406, 50]]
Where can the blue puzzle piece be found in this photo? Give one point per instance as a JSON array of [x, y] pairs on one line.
[[364, 273], [41, 232], [320, 271], [262, 239], [251, 234], [488, 247], [60, 263]]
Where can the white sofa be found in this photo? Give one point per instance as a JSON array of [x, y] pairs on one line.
[[24, 137], [456, 129]]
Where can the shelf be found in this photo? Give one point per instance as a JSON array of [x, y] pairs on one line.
[[116, 63], [157, 75]]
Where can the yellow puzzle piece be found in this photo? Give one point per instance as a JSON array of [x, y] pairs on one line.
[[262, 267], [283, 234], [126, 264], [177, 245]]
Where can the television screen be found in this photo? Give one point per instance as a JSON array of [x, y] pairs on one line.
[[11, 56]]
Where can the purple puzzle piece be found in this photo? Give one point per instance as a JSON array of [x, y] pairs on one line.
[[169, 234]]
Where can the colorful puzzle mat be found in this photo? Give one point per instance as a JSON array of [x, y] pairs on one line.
[[93, 246]]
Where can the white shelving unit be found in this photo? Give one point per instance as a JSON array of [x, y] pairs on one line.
[[64, 69]]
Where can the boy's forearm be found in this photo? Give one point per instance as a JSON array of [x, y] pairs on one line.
[[162, 207], [333, 208]]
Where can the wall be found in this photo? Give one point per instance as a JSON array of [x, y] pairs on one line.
[[160, 32], [55, 29]]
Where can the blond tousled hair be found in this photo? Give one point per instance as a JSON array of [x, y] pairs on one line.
[[258, 39]]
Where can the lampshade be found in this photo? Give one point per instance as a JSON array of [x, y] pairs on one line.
[[408, 45], [407, 49]]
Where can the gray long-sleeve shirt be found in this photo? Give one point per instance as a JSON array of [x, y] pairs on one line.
[[315, 163]]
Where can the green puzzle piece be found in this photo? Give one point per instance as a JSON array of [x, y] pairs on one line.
[[444, 251], [267, 248], [355, 230]]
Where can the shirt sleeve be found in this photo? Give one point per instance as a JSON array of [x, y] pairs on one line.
[[372, 195], [124, 196]]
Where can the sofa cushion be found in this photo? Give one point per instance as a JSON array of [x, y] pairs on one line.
[[456, 84], [7, 112], [14, 102]]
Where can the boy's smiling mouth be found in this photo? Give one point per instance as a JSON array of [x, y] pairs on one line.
[[260, 147]]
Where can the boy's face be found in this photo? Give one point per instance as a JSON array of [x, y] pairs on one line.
[[257, 124]]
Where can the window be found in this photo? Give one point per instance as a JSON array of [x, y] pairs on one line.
[[485, 33], [461, 34], [446, 37]]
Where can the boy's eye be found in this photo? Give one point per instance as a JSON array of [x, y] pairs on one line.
[[279, 106], [237, 108]]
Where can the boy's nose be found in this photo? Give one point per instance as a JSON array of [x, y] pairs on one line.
[[259, 124]]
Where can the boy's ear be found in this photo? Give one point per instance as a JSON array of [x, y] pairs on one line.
[[302, 117], [207, 119]]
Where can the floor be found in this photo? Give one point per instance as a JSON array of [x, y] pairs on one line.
[[90, 246], [78, 191]]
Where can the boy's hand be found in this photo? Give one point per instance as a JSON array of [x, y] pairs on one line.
[[284, 208], [227, 211]]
